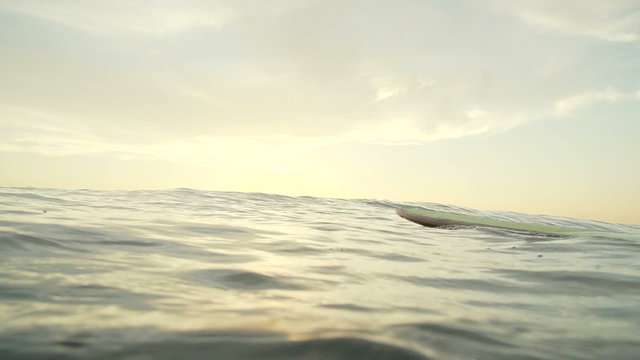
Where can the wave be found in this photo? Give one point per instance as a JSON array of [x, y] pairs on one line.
[[186, 273]]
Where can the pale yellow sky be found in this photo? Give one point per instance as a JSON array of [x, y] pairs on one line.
[[529, 106]]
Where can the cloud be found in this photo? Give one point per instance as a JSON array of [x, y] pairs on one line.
[[26, 130], [612, 20], [144, 77], [569, 105], [386, 87], [161, 18]]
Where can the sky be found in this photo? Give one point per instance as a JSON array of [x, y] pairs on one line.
[[530, 106]]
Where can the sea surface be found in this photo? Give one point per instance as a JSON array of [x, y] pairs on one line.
[[189, 274]]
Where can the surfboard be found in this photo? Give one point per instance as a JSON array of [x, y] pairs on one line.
[[433, 218]]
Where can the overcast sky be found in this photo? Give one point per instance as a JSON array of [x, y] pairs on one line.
[[530, 106]]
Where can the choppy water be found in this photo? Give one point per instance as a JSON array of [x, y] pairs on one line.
[[201, 274]]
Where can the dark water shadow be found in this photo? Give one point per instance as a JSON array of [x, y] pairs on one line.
[[242, 280]]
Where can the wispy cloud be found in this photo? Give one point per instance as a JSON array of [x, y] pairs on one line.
[[612, 20], [115, 17], [568, 105]]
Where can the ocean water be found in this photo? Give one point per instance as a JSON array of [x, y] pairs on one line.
[[188, 274]]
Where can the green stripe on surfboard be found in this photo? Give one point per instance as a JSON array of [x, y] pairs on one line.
[[433, 218]]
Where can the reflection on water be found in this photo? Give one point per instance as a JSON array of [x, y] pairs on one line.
[[193, 274]]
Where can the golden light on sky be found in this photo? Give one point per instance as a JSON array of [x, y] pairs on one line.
[[529, 106]]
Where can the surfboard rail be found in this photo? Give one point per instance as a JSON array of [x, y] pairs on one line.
[[434, 218]]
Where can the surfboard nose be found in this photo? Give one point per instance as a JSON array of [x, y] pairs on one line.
[[434, 218]]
